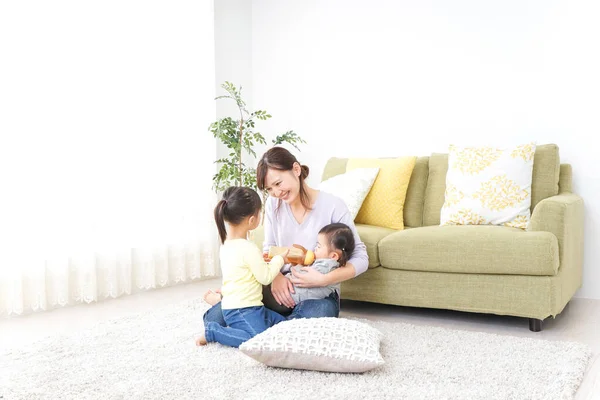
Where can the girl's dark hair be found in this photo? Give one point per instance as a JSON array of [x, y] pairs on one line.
[[237, 203], [340, 237], [281, 159]]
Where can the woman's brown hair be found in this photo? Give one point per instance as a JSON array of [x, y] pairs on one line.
[[281, 159]]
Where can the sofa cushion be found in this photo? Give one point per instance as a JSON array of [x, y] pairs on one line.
[[415, 196], [489, 185], [352, 187], [544, 183], [318, 344], [371, 236], [478, 249], [384, 205]]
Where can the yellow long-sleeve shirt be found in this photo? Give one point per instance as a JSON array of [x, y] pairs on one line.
[[244, 272]]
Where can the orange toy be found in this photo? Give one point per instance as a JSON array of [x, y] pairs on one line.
[[297, 254]]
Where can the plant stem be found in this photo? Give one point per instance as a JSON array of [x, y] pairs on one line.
[[241, 134]]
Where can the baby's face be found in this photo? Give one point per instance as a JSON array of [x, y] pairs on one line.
[[322, 249]]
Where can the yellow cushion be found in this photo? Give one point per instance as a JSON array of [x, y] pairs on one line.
[[384, 205]]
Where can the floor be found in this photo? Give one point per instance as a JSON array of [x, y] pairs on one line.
[[580, 321]]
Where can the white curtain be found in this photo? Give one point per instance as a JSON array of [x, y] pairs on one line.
[[105, 158]]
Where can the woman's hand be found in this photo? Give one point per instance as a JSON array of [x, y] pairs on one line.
[[309, 277], [281, 287]]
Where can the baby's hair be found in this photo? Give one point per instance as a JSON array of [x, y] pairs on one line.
[[340, 237], [237, 203]]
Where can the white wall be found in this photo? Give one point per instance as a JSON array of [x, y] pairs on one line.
[[233, 50], [233, 55], [389, 78]]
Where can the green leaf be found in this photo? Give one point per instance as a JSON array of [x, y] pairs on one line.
[[239, 137]]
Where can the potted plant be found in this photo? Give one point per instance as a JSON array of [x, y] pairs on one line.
[[239, 136]]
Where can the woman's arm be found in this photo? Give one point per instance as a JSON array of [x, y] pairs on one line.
[[359, 259], [358, 263], [310, 277]]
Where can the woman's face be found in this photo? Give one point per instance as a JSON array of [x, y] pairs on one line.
[[284, 185]]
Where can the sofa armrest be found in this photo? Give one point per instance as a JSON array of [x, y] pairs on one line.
[[562, 215]]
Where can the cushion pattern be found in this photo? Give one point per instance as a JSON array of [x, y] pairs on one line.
[[488, 186], [544, 183], [318, 344]]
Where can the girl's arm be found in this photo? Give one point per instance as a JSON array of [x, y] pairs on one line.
[[264, 272]]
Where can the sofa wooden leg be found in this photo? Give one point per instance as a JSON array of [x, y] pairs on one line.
[[535, 325]]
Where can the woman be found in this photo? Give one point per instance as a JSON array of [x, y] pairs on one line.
[[294, 214]]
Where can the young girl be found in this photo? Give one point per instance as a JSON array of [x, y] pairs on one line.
[[335, 245], [244, 272]]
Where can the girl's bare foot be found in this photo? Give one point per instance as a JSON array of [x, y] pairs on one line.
[[201, 341], [212, 298]]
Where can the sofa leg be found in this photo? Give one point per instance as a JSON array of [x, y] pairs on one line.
[[535, 325]]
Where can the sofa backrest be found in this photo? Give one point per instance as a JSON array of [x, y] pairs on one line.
[[415, 195], [335, 166], [546, 173], [427, 187]]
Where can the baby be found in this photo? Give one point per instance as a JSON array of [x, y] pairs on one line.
[[335, 244]]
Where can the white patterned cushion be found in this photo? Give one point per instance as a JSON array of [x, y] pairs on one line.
[[487, 185], [352, 187], [319, 344]]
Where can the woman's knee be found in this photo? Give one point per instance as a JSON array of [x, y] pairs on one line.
[[316, 309]]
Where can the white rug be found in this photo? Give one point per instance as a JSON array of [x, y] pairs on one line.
[[152, 356]]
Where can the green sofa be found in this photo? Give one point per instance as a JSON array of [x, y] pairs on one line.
[[500, 270], [483, 269]]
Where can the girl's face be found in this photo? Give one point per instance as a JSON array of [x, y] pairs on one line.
[[284, 185], [322, 249]]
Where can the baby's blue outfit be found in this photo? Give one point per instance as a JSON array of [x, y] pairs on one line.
[[324, 266]]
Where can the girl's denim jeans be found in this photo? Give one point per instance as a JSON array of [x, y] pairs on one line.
[[328, 307], [241, 324]]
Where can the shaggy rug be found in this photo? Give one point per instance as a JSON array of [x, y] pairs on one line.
[[152, 356]]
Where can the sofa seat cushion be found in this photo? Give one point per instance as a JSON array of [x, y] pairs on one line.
[[371, 235], [477, 249]]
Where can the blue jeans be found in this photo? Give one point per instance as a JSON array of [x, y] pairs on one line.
[[242, 324], [328, 307]]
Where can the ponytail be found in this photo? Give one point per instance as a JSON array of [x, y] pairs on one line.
[[237, 204], [220, 219], [343, 245]]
